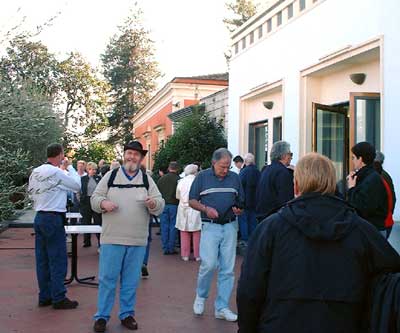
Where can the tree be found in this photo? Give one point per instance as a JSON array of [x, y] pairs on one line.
[[84, 97], [96, 151], [195, 139], [240, 12], [131, 70]]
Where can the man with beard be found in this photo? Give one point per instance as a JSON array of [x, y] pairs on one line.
[[126, 197]]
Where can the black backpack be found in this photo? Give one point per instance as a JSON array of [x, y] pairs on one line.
[[114, 174]]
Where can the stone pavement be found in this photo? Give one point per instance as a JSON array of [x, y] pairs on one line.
[[164, 303]]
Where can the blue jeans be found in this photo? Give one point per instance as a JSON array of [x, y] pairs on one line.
[[247, 224], [149, 239], [51, 256], [118, 263], [217, 250], [168, 230]]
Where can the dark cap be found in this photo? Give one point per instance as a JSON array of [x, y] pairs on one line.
[[135, 145]]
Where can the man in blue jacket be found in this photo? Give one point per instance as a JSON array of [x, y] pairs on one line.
[[249, 177], [276, 183]]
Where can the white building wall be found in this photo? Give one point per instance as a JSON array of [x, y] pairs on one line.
[[330, 26]]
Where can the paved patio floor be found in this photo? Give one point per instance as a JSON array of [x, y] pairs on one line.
[[164, 302]]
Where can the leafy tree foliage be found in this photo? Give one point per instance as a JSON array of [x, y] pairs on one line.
[[96, 151], [240, 12], [195, 139], [131, 70]]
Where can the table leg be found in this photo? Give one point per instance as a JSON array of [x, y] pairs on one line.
[[74, 266]]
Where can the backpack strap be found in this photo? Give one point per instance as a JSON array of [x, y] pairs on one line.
[[114, 174]]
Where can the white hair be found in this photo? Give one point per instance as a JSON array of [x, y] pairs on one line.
[[249, 159], [191, 169]]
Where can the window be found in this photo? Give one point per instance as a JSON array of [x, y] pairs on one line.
[[260, 32], [290, 11], [258, 142], [277, 133], [244, 43], [269, 25], [252, 37], [314, 1], [368, 120], [236, 48], [279, 18], [302, 4]]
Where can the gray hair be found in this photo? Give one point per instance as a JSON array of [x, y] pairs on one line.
[[380, 157], [249, 159], [279, 150], [221, 153], [191, 169]]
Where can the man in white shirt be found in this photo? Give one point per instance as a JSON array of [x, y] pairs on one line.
[[48, 188]]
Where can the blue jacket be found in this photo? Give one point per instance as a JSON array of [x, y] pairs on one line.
[[250, 176], [274, 189]]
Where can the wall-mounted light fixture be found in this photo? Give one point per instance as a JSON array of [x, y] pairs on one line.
[[268, 104], [177, 104], [358, 78]]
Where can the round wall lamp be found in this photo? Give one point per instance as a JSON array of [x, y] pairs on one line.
[[358, 78], [268, 104]]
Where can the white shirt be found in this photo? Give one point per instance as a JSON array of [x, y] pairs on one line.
[[49, 185]]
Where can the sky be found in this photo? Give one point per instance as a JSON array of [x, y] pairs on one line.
[[190, 38]]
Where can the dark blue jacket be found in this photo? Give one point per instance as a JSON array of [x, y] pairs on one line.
[[250, 176], [274, 189], [308, 269]]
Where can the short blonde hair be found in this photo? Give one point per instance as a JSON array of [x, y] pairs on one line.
[[81, 162], [315, 173], [91, 165]]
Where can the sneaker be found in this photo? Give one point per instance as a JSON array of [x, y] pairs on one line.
[[65, 304], [226, 314], [145, 272], [185, 258], [198, 306], [130, 323], [47, 302], [100, 325], [198, 259]]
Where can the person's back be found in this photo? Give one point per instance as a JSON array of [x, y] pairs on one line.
[[167, 186], [309, 265], [250, 176], [275, 188]]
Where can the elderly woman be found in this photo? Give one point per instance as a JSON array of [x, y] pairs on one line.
[[309, 265], [188, 220]]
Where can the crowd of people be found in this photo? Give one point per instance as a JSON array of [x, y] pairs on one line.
[[308, 248]]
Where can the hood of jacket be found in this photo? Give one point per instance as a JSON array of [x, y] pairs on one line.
[[320, 217]]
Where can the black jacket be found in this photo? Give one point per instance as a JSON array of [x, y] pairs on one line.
[[369, 197], [308, 267], [274, 189], [250, 176], [84, 188]]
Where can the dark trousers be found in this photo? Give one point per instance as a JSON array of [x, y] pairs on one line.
[[88, 214], [149, 239], [51, 256]]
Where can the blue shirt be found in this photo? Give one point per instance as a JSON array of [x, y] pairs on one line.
[[218, 193]]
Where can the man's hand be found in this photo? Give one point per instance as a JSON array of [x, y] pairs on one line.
[[212, 213], [150, 203], [65, 162], [108, 206], [237, 211]]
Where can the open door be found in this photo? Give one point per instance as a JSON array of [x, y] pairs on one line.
[[331, 138]]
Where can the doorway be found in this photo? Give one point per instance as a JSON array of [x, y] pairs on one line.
[[258, 142]]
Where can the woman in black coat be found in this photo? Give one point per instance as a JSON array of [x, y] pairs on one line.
[[366, 190], [309, 266]]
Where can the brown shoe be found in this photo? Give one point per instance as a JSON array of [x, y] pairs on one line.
[[100, 325], [130, 323]]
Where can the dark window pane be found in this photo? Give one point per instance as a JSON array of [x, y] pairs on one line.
[[368, 120], [302, 4], [279, 18], [244, 43], [290, 11], [277, 134], [236, 48], [269, 25], [260, 31], [252, 37]]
